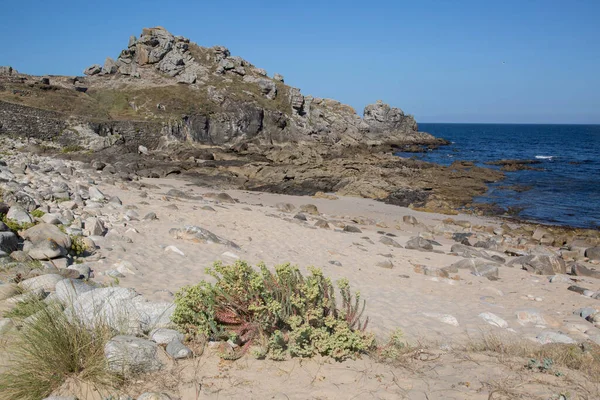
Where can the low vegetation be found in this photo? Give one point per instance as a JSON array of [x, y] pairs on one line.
[[16, 226], [50, 349], [279, 314]]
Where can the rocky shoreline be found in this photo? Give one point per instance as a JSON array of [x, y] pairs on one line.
[[466, 274]]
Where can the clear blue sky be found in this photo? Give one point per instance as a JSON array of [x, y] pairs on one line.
[[443, 61]]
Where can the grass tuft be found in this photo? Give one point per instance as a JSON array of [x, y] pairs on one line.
[[50, 349]]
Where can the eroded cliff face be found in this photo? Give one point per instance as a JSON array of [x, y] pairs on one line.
[[164, 86]]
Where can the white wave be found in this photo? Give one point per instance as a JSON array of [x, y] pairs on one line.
[[544, 157]]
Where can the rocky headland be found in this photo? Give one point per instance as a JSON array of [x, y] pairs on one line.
[[202, 112]]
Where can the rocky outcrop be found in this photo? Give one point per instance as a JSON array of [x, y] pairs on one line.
[[206, 95]]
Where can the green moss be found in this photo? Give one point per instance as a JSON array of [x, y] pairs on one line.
[[16, 226], [37, 213]]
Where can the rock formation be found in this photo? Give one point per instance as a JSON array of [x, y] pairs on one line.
[[167, 86]]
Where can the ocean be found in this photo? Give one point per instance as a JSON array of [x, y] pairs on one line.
[[567, 189]]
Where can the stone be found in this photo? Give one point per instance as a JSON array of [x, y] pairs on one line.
[[389, 242], [110, 67], [46, 282], [560, 279], [20, 215], [8, 242], [46, 250], [300, 217], [45, 231], [95, 194], [93, 70], [577, 289], [486, 270], [352, 229], [151, 216], [178, 350], [129, 355], [541, 264], [94, 227], [593, 253], [200, 235], [530, 317], [278, 77], [309, 209], [67, 290], [387, 264], [321, 223], [431, 271], [143, 150], [419, 243], [445, 318], [409, 219], [493, 319], [335, 262], [285, 207], [165, 335], [580, 270], [546, 337]]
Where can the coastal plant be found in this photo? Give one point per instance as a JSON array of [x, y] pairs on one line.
[[285, 313], [51, 348], [23, 309], [78, 245], [16, 226], [37, 213]]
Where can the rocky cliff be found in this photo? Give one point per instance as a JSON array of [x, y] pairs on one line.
[[163, 85]]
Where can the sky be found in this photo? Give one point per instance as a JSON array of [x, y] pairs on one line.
[[526, 61]]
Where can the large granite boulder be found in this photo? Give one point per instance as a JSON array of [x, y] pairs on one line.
[[541, 264]]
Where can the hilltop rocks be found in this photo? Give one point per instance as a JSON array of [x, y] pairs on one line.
[[382, 118], [93, 70]]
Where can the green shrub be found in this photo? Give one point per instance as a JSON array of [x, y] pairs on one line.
[[37, 213], [51, 348], [78, 246], [292, 314], [26, 308]]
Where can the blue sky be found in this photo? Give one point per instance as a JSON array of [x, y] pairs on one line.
[[443, 61]]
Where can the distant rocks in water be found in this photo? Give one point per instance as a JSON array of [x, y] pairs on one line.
[[516, 165]]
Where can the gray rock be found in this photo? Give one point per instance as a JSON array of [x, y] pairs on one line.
[[278, 77], [493, 319], [409, 219], [593, 253], [300, 217], [93, 70], [129, 355], [387, 264], [419, 243], [46, 250], [541, 264], [83, 270], [110, 67], [178, 350], [61, 398], [46, 282], [486, 270], [546, 337], [200, 235], [19, 214], [165, 335], [335, 262], [94, 227], [95, 194], [187, 76], [8, 242], [321, 223], [389, 242], [581, 270], [151, 216], [309, 209], [352, 229], [285, 207], [68, 290], [43, 232]]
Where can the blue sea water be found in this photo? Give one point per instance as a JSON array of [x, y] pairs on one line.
[[566, 192]]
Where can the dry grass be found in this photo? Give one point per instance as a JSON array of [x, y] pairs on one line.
[[49, 350]]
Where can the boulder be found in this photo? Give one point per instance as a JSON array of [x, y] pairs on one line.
[[130, 355], [593, 253], [165, 335], [581, 270], [44, 231], [46, 250], [285, 207], [94, 227], [93, 70], [409, 219], [8, 242], [110, 67], [352, 229], [541, 264], [493, 319], [389, 242], [19, 214], [46, 282], [178, 350], [309, 209], [419, 243]]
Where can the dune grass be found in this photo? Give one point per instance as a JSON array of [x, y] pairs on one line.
[[51, 348]]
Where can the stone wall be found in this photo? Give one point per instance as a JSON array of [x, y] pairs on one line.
[[17, 120]]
